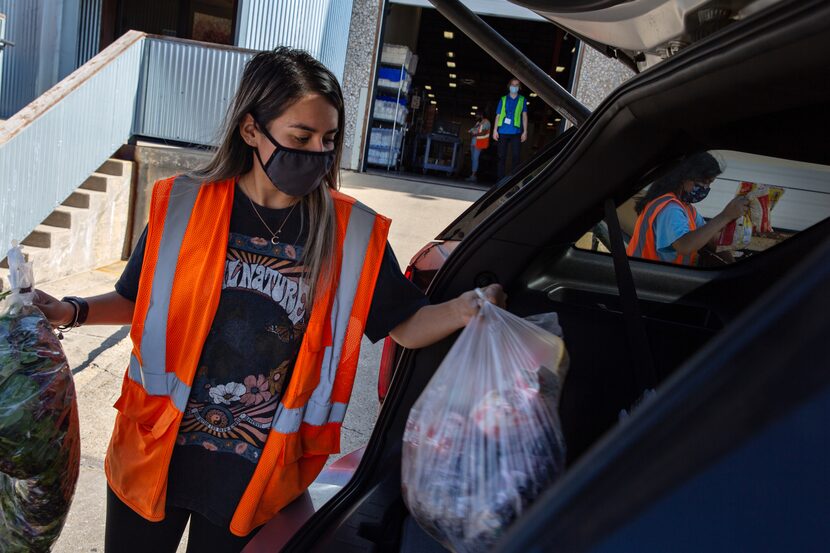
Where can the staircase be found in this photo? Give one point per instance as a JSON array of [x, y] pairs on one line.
[[121, 93], [86, 231]]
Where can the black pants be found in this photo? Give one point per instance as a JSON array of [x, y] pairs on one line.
[[128, 532], [514, 141]]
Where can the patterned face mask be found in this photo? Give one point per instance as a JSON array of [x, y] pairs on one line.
[[698, 194]]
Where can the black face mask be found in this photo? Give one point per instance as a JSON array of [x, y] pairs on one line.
[[295, 172]]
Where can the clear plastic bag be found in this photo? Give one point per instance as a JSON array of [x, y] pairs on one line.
[[548, 322], [39, 432], [484, 439]]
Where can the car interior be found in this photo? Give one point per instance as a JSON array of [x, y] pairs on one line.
[[763, 89]]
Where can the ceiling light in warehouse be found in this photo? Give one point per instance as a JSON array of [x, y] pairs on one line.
[[448, 34], [573, 50], [433, 102], [557, 119], [428, 87], [560, 68], [474, 107], [452, 85], [450, 54], [472, 113], [453, 75], [431, 95], [451, 64], [550, 124], [532, 94]]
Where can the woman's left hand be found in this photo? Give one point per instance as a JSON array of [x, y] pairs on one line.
[[468, 303], [435, 322]]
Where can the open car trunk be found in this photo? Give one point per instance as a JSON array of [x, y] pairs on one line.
[[699, 323]]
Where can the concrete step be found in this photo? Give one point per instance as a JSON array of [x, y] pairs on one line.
[[113, 167], [77, 199], [38, 239], [62, 216], [83, 199], [46, 236], [95, 182]]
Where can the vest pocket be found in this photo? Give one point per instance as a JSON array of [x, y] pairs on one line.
[[139, 451], [320, 440], [153, 414]]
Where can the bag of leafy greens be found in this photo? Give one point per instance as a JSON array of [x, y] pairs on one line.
[[39, 434]]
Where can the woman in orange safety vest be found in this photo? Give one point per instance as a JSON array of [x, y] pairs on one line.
[[669, 227], [248, 294]]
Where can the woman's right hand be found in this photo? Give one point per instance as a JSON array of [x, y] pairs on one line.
[[56, 311], [736, 208]]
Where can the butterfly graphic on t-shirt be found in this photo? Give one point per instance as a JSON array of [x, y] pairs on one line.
[[287, 333]]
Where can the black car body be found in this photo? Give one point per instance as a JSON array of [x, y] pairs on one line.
[[731, 453]]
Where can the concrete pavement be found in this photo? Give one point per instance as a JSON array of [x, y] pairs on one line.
[[98, 354]]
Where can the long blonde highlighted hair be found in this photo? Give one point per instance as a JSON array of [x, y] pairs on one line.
[[271, 82]]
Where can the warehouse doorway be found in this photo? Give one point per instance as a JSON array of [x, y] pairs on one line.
[[432, 79]]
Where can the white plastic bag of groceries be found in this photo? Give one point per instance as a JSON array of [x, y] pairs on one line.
[[484, 439]]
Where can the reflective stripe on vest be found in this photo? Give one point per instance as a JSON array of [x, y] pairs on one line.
[[643, 243], [320, 410], [517, 112], [152, 373]]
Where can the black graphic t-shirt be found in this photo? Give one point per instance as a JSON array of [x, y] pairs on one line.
[[249, 353]]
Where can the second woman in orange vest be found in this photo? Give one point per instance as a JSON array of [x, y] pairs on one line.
[[480, 141], [248, 295], [668, 226]]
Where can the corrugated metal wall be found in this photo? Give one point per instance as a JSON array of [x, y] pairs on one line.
[[89, 31], [20, 62], [319, 26], [185, 90], [336, 37], [24, 61]]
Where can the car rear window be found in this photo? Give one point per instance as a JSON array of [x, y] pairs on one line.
[[780, 198]]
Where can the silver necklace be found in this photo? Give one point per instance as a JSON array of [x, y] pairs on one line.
[[275, 236]]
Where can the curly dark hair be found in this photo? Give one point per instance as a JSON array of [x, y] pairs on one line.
[[694, 167]]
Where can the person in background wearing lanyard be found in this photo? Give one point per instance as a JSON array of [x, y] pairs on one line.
[[481, 141], [511, 126], [247, 295]]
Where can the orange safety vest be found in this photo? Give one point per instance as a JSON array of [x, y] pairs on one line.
[[643, 244], [178, 293], [482, 140]]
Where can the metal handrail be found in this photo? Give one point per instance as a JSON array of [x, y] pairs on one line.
[[40, 105], [141, 85], [52, 145]]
